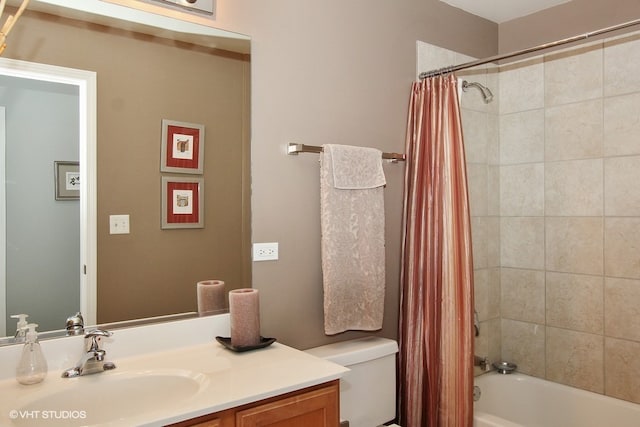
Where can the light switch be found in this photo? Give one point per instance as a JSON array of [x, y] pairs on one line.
[[118, 224]]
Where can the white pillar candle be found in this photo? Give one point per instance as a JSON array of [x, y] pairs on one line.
[[244, 312], [211, 296]]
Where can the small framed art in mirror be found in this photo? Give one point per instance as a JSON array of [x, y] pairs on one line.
[[182, 202], [67, 180], [182, 147]]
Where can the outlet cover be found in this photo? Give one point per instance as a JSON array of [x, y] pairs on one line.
[[265, 251], [118, 224]]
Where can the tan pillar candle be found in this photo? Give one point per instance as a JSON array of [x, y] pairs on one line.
[[212, 296], [244, 312]]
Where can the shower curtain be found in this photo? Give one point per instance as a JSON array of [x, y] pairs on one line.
[[436, 306]]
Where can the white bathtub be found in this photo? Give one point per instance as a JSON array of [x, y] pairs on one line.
[[518, 400]]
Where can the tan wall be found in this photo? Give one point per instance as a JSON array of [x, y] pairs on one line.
[[140, 82], [326, 72], [566, 20]]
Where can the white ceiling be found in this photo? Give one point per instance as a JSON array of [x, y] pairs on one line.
[[503, 10]]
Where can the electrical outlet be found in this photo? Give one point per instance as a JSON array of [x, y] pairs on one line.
[[265, 251]]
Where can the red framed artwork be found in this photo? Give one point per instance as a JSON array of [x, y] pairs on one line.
[[182, 202], [182, 147]]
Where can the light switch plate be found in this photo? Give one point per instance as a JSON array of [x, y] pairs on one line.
[[118, 224]]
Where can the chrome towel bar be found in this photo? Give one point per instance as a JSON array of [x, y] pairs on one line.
[[294, 148]]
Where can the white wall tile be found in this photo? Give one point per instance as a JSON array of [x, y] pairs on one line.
[[474, 129], [479, 241], [493, 241], [621, 178], [522, 137], [621, 65], [575, 301], [574, 131], [493, 190], [574, 244], [573, 188], [521, 86], [622, 308], [487, 293], [622, 369], [621, 248], [523, 295], [622, 125], [574, 358], [522, 190], [477, 181], [522, 242], [524, 344], [572, 76]]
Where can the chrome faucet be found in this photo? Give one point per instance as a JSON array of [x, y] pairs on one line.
[[75, 324], [482, 362], [92, 361]]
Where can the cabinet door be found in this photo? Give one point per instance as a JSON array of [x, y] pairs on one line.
[[210, 423], [317, 408]]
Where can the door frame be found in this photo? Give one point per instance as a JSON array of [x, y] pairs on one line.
[[86, 81]]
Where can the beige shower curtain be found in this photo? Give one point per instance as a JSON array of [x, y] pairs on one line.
[[436, 312]]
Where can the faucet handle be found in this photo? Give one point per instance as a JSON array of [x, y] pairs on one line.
[[91, 338], [95, 333]]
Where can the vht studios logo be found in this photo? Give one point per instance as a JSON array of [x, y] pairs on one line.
[[47, 415]]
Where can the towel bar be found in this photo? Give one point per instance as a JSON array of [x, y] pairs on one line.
[[294, 148]]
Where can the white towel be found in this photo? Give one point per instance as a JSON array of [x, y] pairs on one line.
[[356, 168], [353, 252]]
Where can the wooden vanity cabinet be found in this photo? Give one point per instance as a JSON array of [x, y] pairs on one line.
[[317, 406]]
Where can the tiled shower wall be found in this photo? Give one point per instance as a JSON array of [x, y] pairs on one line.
[[556, 214], [570, 216]]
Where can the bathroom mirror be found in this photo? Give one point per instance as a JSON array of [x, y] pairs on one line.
[[144, 76]]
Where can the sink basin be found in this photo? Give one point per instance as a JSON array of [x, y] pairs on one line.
[[109, 398]]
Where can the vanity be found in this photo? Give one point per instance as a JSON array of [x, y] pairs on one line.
[[174, 373]]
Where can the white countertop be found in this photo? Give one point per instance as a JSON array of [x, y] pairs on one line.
[[224, 379]]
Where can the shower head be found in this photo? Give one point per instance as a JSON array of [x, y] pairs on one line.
[[486, 93]]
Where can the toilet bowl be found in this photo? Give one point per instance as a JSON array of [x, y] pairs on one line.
[[368, 390]]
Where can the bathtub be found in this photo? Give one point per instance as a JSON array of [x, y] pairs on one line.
[[519, 400]]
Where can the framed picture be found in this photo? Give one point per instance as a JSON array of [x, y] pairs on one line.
[[182, 147], [67, 180], [182, 202]]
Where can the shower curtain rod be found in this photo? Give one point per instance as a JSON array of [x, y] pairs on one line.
[[495, 58]]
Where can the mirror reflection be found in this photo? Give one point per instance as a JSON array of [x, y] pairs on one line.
[[141, 80], [41, 236]]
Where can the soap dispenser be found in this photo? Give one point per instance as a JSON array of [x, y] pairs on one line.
[[32, 367], [21, 328]]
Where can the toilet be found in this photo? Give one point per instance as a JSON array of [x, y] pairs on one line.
[[368, 390]]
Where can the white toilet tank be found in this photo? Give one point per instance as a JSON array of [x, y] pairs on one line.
[[368, 390]]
